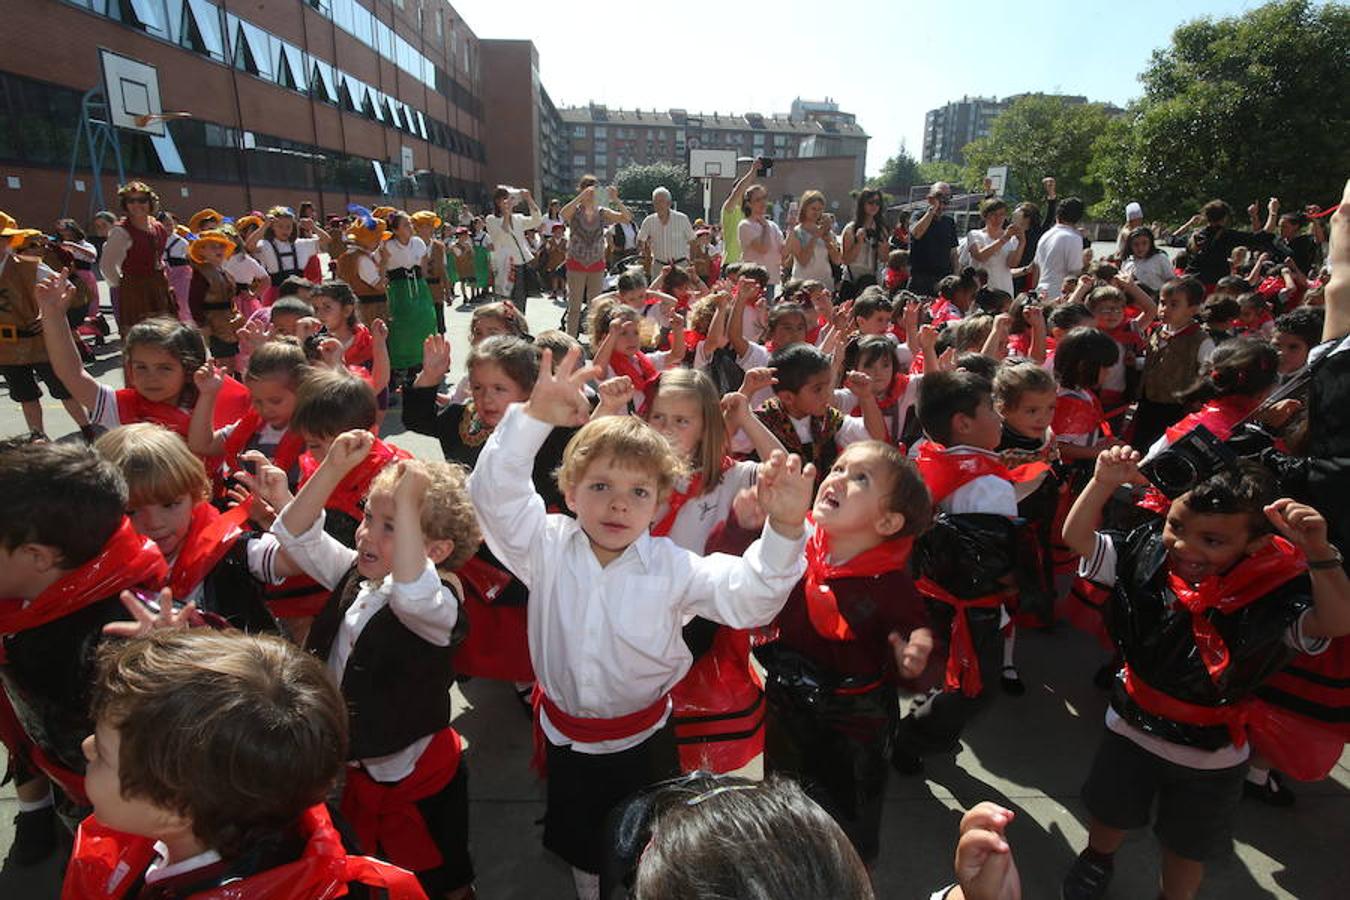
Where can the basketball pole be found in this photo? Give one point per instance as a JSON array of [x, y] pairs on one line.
[[94, 134]]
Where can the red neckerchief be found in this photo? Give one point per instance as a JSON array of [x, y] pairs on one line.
[[1252, 578], [822, 607], [384, 815], [1220, 416], [350, 494], [132, 407], [1125, 335], [692, 339], [945, 471], [943, 311], [679, 498], [642, 373], [105, 864], [1079, 415], [127, 560], [894, 391], [361, 351], [210, 536], [286, 455]]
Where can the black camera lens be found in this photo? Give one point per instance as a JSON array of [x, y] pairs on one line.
[[1173, 473]]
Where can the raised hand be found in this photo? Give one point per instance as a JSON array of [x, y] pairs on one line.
[[267, 483], [859, 384], [1035, 316], [209, 379], [735, 408], [1302, 525], [757, 379], [984, 862], [785, 490], [412, 481], [307, 327], [435, 361], [557, 397], [330, 353], [749, 514], [615, 395], [53, 294], [379, 331], [911, 656], [1117, 465], [161, 617], [254, 333], [349, 449]]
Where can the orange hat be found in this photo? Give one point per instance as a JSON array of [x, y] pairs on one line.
[[12, 233], [366, 228], [426, 217], [200, 216], [207, 238], [245, 221], [382, 212], [182, 230]]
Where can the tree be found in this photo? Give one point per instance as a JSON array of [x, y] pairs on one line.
[[897, 174], [941, 170], [636, 183], [1037, 136], [1241, 108]]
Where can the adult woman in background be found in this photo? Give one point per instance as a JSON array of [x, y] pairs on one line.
[[511, 251], [995, 248], [587, 221], [1146, 261], [760, 239], [865, 245], [811, 242]]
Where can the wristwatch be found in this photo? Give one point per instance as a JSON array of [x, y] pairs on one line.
[[1335, 562]]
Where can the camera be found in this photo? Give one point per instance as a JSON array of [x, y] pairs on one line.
[[1191, 459], [765, 167]]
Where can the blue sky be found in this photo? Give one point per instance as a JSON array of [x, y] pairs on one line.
[[888, 61]]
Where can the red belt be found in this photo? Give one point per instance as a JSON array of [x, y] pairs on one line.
[[385, 815], [589, 731], [963, 665], [1234, 717]]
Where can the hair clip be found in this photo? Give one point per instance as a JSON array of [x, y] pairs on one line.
[[722, 789]]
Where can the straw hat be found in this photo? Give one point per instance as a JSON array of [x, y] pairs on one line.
[[426, 217], [366, 228], [207, 238], [182, 231], [12, 233], [382, 212], [245, 221], [200, 216]]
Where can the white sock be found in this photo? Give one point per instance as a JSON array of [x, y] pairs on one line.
[[31, 805], [588, 885], [1257, 775], [1009, 643]]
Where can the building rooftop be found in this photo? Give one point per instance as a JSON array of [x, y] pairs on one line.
[[674, 118]]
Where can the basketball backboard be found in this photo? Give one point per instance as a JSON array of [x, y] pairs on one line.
[[132, 89], [712, 163], [998, 179]]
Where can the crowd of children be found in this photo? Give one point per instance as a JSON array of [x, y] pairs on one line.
[[731, 526]]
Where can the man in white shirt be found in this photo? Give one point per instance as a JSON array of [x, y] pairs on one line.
[[1060, 251], [667, 233]]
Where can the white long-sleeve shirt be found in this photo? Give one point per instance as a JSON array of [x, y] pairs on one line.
[[426, 607], [605, 640]]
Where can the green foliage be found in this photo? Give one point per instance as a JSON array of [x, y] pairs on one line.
[[636, 183], [897, 174], [449, 208], [1242, 108], [938, 170], [1039, 136]]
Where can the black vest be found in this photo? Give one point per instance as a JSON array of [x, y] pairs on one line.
[[48, 675], [397, 685], [231, 592], [1153, 632], [284, 271]]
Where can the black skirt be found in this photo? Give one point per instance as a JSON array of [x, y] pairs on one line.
[[584, 787]]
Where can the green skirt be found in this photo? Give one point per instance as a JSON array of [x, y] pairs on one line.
[[412, 315], [482, 265]]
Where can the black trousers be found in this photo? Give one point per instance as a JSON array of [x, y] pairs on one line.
[[938, 724]]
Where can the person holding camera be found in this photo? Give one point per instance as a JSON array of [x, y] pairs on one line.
[[588, 221], [932, 242], [760, 238], [733, 212], [865, 245], [811, 242], [511, 250]]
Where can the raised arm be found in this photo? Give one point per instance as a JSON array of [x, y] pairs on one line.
[[379, 351], [736, 325], [1307, 530], [1337, 291], [736, 411], [202, 439], [622, 214], [114, 254], [53, 295], [1115, 466]]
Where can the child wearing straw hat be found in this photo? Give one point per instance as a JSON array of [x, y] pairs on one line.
[[360, 264], [211, 295]]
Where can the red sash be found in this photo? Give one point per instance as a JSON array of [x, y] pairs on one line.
[[361, 351], [1079, 415], [132, 407], [127, 560], [943, 311], [385, 815], [642, 373], [585, 730], [286, 455], [1235, 716], [963, 665], [946, 471], [1251, 579], [105, 864], [1220, 416], [350, 493], [822, 607], [210, 536], [679, 498]]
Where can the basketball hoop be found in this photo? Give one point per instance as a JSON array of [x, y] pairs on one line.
[[144, 120]]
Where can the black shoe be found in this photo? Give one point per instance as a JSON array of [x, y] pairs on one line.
[[1010, 682], [34, 836], [1273, 793], [905, 758], [1087, 880]]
